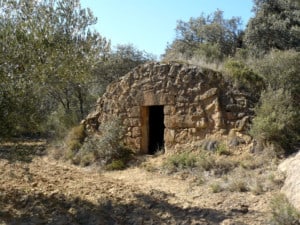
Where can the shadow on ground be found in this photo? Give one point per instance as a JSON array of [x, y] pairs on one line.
[[18, 207], [22, 150]]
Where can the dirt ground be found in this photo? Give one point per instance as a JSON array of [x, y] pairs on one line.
[[36, 189]]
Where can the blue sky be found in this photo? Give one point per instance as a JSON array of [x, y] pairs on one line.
[[150, 24]]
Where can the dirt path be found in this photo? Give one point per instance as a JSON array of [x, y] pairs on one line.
[[228, 207], [45, 191]]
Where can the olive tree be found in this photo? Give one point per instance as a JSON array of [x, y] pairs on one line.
[[276, 25], [47, 54], [210, 36]]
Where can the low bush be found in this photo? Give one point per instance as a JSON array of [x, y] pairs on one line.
[[222, 150], [185, 160], [276, 120], [200, 161], [118, 164], [104, 149], [278, 116], [254, 173], [243, 76], [74, 141]]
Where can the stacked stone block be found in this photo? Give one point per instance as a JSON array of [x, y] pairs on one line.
[[197, 102]]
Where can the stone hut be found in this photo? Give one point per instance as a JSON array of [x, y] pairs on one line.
[[162, 105]]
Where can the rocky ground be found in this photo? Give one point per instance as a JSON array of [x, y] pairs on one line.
[[36, 189]]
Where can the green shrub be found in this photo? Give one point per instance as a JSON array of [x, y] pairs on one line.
[[222, 149], [282, 212], [199, 161], [59, 123], [104, 149], [243, 76], [185, 160], [116, 165], [278, 114], [281, 70], [276, 119]]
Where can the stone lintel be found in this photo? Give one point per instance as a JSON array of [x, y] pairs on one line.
[[151, 98]]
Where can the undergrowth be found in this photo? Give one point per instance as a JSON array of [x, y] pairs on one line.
[[104, 149], [224, 171]]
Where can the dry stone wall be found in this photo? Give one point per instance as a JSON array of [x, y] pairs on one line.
[[196, 102]]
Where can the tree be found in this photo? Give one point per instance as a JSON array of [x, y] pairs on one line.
[[211, 36], [276, 25], [117, 63], [281, 70], [47, 55]]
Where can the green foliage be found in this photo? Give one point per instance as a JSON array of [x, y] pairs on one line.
[[210, 53], [104, 149], [116, 64], [222, 149], [243, 76], [283, 212], [276, 118], [183, 160], [281, 69], [211, 37], [200, 161], [47, 54], [53, 64], [116, 165], [276, 25], [278, 114], [58, 123]]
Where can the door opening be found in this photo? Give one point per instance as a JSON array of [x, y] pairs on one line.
[[156, 128], [152, 118]]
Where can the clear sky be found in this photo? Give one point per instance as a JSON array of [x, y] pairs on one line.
[[150, 24]]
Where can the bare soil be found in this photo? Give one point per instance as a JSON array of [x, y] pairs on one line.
[[36, 189]]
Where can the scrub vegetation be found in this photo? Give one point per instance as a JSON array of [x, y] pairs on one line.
[[53, 67]]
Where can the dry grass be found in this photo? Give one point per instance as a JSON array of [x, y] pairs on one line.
[[197, 61], [234, 171]]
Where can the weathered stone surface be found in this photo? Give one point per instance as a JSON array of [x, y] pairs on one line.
[[291, 188], [197, 102]]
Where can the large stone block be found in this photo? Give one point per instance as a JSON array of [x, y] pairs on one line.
[[134, 112], [153, 98], [169, 136], [291, 188], [169, 110], [136, 132]]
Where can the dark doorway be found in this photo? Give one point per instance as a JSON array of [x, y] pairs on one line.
[[156, 128]]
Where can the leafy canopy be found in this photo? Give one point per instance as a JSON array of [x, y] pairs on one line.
[[210, 36], [47, 54], [276, 25]]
